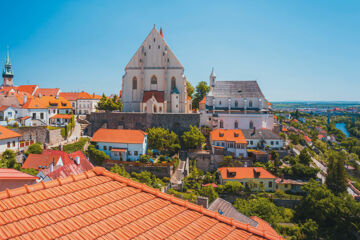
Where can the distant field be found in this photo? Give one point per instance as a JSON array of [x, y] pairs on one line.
[[323, 105]]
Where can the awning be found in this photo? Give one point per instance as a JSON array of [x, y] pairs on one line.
[[119, 150]]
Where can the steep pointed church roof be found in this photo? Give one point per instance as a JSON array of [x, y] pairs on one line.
[[152, 52]]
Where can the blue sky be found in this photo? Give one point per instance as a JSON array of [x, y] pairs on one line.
[[297, 50]]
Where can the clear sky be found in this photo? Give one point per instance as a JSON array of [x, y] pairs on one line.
[[295, 49]]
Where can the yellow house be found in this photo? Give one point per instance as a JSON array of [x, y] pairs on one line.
[[256, 178], [289, 185]]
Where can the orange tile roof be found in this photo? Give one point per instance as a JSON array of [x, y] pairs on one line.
[[244, 172], [27, 88], [9, 173], [6, 133], [263, 225], [228, 135], [98, 204], [3, 108], [189, 98], [47, 92], [73, 96], [62, 116], [284, 129], [45, 159], [294, 120], [119, 136], [47, 102], [159, 96]]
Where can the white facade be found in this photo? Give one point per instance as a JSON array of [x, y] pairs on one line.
[[8, 114], [154, 67], [10, 143], [238, 149], [85, 106], [272, 143]]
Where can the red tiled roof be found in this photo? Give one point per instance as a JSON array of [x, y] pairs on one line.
[[47, 102], [284, 129], [47, 92], [9, 173], [244, 172], [3, 108], [27, 88], [159, 96], [119, 136], [45, 159], [6, 133], [307, 139], [263, 225], [289, 181], [210, 184], [62, 116], [102, 205], [228, 135], [118, 150], [24, 118]]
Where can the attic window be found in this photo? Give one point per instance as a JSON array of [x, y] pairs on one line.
[[221, 134], [236, 135]]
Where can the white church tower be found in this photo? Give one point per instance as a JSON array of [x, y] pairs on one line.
[[154, 80]]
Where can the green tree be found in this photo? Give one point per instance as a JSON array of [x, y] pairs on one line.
[[304, 157], [193, 138], [110, 104], [190, 89], [200, 92], [145, 158], [275, 157], [309, 229], [34, 148], [96, 155], [120, 170], [209, 192], [230, 188], [8, 160], [163, 140], [336, 175]]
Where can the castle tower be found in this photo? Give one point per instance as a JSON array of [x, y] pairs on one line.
[[212, 79], [7, 73]]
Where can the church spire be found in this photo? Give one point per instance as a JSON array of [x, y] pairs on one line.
[[7, 73]]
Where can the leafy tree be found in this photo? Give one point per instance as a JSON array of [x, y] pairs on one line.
[[299, 171], [304, 157], [309, 229], [8, 160], [200, 92], [110, 104], [275, 158], [193, 138], [145, 158], [189, 89], [336, 175], [295, 139], [147, 178], [34, 148], [120, 170], [163, 140], [230, 188], [30, 171], [209, 192], [96, 155]]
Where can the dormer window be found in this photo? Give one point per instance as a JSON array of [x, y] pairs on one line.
[[221, 134], [236, 135]]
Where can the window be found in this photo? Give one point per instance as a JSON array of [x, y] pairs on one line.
[[110, 147], [236, 103], [160, 109], [8, 144], [286, 186], [154, 39], [272, 143], [173, 83], [13, 143], [177, 106], [97, 146], [158, 46], [236, 125], [219, 102], [153, 80], [251, 142], [277, 142], [41, 115], [250, 104], [221, 124], [149, 47], [251, 124], [135, 153], [270, 184], [34, 115], [154, 108], [134, 83], [168, 60], [129, 153], [105, 148]]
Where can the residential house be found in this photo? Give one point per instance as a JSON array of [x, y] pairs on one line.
[[47, 92], [74, 163], [99, 204], [121, 144], [82, 102], [7, 113], [61, 119], [25, 121], [231, 140], [289, 185], [43, 108], [261, 138], [255, 178], [30, 89], [307, 140], [8, 139], [11, 178], [47, 159]]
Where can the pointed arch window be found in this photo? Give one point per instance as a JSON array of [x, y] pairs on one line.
[[221, 124], [236, 103], [134, 83], [236, 124], [173, 83], [250, 104], [153, 80], [155, 109], [251, 124]]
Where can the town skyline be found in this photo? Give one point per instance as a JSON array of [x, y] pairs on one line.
[[296, 65]]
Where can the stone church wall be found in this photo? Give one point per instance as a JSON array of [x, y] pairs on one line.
[[177, 122]]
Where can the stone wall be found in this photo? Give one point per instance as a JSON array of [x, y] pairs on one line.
[[55, 136], [39, 134], [158, 171], [177, 122]]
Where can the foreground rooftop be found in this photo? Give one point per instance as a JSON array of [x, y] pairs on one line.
[[98, 204]]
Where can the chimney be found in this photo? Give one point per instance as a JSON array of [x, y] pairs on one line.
[[77, 160], [52, 165], [39, 95], [203, 201], [254, 131], [256, 174]]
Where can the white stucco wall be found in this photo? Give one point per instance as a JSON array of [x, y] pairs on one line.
[[4, 144]]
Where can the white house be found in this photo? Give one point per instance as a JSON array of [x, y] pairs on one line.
[[82, 102], [8, 139], [262, 138], [235, 105], [121, 144], [155, 70], [7, 113], [231, 140]]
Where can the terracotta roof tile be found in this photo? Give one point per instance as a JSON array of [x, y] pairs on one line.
[[228, 135], [9, 173], [244, 172], [6, 133], [30, 89], [62, 116], [102, 205], [53, 92], [159, 96], [47, 102], [119, 136]]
